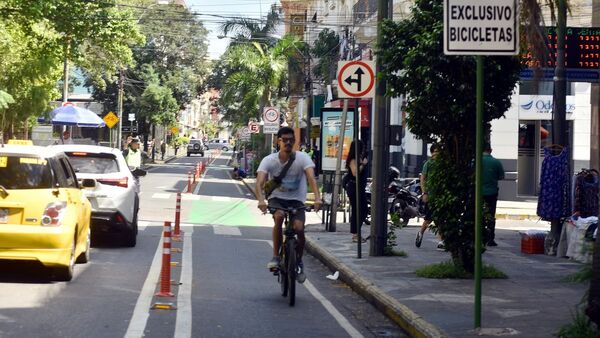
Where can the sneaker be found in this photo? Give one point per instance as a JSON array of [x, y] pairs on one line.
[[419, 239], [441, 246], [492, 243], [300, 277], [273, 263]]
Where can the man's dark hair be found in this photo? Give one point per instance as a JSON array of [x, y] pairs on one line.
[[434, 147], [284, 131]]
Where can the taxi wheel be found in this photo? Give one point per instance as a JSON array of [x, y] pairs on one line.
[[84, 257], [65, 273]]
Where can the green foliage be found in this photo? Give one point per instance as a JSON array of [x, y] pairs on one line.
[[396, 223], [450, 270], [581, 327], [440, 92], [584, 275], [325, 49]]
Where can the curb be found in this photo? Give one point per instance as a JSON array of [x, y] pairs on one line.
[[412, 323]]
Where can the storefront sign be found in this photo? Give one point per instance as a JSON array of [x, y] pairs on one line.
[[539, 107], [330, 141]]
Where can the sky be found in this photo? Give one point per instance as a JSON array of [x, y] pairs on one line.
[[226, 8]]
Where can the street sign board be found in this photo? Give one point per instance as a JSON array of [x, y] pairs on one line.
[[356, 79], [254, 127], [174, 130], [271, 120], [481, 27], [110, 119], [131, 117], [127, 129], [245, 134]]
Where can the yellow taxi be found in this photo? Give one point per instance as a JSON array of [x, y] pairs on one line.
[[44, 215]]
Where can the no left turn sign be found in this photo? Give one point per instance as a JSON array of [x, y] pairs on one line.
[[356, 79]]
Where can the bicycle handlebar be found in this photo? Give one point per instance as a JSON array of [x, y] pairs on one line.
[[292, 211]]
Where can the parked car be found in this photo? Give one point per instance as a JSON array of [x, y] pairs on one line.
[[44, 213], [114, 198], [218, 144], [195, 147]]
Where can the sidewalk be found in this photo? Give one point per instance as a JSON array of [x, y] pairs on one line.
[[534, 301]]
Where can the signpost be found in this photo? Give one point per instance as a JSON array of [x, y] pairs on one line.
[[253, 127], [110, 119], [482, 27], [271, 119], [356, 79]]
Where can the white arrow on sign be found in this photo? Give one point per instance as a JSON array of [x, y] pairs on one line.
[[356, 79]]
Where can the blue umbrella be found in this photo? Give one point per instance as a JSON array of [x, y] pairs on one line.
[[76, 116]]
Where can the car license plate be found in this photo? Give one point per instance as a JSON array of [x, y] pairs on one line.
[[3, 215]]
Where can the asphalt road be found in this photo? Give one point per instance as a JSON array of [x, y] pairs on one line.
[[223, 287]]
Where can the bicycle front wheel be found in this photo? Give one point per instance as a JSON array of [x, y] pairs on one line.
[[282, 275], [291, 270]]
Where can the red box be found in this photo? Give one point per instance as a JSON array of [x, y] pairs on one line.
[[532, 244]]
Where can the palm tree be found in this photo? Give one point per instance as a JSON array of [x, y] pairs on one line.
[[248, 29]]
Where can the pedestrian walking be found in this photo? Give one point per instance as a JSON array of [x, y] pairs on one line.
[[492, 173], [427, 219], [163, 150], [356, 169]]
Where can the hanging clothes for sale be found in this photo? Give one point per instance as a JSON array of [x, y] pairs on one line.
[[554, 200], [586, 193]]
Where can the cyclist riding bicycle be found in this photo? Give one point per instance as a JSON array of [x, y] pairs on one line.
[[288, 189]]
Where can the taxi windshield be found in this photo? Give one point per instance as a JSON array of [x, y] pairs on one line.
[[19, 172]]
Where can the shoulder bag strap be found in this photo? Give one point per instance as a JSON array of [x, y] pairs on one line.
[[285, 169]]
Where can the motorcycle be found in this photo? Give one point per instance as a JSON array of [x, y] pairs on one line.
[[394, 186], [408, 203]]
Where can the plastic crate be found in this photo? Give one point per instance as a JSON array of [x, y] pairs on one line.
[[532, 244]]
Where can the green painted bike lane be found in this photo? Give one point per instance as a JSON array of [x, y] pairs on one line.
[[240, 212]]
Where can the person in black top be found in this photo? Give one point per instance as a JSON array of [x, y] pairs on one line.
[[356, 168]]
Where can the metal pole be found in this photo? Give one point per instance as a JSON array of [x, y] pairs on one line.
[[478, 180], [560, 81], [378, 194], [358, 199], [338, 168], [120, 109]]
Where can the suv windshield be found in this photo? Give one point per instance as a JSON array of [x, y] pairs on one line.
[[93, 163], [21, 172]]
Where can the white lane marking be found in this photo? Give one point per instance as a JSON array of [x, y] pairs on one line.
[[189, 197], [150, 224], [183, 323], [226, 230], [141, 312], [221, 198], [142, 225], [161, 195], [344, 323]]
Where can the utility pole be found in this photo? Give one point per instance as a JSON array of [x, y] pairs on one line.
[[380, 155], [560, 81], [120, 109]]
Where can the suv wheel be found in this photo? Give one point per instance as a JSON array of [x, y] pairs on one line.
[[225, 149]]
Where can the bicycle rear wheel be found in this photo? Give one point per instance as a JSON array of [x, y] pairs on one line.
[[282, 276], [291, 270]]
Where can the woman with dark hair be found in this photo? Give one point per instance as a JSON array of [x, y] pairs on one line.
[[356, 169]]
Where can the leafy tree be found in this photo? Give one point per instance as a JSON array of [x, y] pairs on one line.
[[252, 30], [440, 108], [257, 77], [325, 51]]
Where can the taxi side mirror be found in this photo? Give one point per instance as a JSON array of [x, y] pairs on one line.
[[88, 183]]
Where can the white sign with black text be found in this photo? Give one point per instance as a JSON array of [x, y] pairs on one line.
[[271, 120], [481, 27], [539, 107]]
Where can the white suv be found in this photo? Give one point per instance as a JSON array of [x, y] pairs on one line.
[[114, 199]]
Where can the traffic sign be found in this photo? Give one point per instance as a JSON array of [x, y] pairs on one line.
[[271, 120], [245, 134], [356, 79], [482, 27], [174, 130], [254, 127], [110, 119], [131, 117]]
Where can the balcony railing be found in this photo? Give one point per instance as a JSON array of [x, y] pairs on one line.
[[363, 10]]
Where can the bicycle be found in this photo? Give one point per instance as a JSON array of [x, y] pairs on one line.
[[288, 266]]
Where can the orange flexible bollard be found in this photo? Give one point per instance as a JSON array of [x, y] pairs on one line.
[[165, 273], [189, 190], [177, 231]]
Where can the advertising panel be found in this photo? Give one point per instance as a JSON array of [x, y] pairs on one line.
[[330, 139]]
